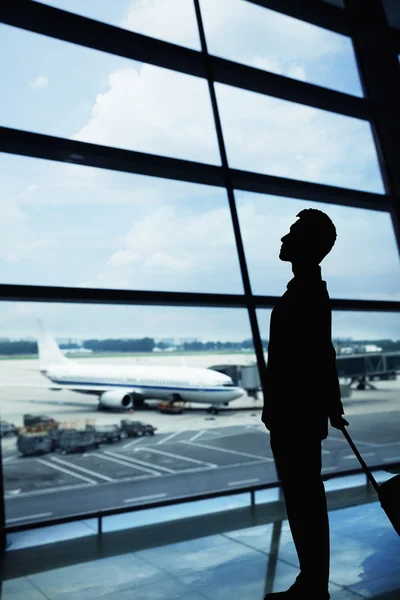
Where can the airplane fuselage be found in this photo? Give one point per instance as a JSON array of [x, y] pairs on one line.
[[188, 384]]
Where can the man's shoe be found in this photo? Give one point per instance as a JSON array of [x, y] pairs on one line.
[[291, 594], [296, 593]]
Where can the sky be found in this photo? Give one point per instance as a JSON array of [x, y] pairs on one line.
[[63, 224]]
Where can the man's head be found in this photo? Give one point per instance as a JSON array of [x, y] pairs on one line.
[[310, 238]]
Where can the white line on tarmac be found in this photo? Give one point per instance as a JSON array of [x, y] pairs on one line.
[[336, 439], [350, 456], [62, 488], [392, 459], [169, 437], [243, 482], [145, 498], [133, 461], [129, 444], [134, 478], [198, 434], [127, 463], [197, 462], [264, 458], [9, 458], [62, 462], [28, 517], [53, 466]]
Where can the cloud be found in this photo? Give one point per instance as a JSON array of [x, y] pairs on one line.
[[39, 82], [28, 190], [156, 111], [123, 258], [169, 20], [18, 241]]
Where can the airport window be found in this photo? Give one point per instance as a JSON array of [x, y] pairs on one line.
[[149, 233], [363, 263], [76, 90], [117, 201], [276, 137], [258, 37]]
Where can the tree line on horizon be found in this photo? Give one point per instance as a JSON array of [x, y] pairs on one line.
[[119, 345]]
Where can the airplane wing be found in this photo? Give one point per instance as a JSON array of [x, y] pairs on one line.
[[92, 389]]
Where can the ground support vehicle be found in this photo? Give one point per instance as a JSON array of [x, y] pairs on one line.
[[7, 429], [175, 408], [136, 428]]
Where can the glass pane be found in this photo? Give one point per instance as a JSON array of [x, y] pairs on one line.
[[362, 265], [71, 225], [156, 18], [277, 137], [265, 39], [109, 350], [67, 90], [368, 363]]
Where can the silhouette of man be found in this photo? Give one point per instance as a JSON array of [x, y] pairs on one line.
[[301, 392]]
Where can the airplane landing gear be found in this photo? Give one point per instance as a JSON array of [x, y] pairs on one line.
[[213, 410]]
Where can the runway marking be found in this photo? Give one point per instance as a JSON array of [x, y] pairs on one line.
[[237, 452], [392, 459], [28, 517], [243, 482], [129, 444], [355, 441], [350, 456], [169, 437], [59, 460], [140, 462], [153, 497], [198, 434], [134, 478], [198, 462], [49, 464], [62, 488], [126, 463], [9, 458]]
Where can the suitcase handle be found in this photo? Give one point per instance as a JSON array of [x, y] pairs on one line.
[[362, 462]]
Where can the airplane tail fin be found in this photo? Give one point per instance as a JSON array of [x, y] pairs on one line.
[[49, 352]]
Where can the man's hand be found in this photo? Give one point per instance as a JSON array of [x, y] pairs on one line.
[[338, 421]]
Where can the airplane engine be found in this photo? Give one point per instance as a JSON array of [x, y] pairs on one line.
[[116, 399]]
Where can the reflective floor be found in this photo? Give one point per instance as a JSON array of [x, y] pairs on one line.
[[236, 565]]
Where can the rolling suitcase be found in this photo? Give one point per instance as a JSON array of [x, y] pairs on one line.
[[388, 492]]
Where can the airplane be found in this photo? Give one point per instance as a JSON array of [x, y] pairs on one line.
[[126, 387]]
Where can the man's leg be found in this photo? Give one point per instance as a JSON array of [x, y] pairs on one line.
[[298, 464]]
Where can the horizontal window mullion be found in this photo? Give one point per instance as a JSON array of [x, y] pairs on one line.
[[304, 190], [38, 145], [32, 293], [49, 147], [70, 27], [286, 88]]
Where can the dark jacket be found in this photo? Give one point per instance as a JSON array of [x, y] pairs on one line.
[[301, 386]]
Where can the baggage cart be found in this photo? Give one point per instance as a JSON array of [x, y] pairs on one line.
[[105, 433], [388, 492], [31, 444], [72, 440]]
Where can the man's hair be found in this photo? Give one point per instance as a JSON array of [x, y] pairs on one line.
[[321, 232]]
